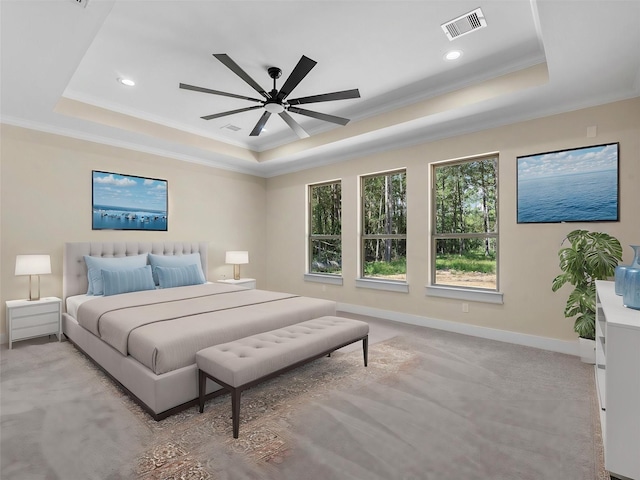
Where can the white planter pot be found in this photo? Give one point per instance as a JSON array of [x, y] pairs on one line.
[[588, 351]]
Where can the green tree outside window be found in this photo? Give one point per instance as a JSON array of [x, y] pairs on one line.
[[465, 223], [384, 226], [325, 228]]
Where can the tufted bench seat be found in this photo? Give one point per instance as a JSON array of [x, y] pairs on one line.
[[244, 363]]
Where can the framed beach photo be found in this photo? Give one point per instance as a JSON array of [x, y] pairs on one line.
[[127, 202], [574, 185]]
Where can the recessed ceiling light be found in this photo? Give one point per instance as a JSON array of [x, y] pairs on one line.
[[453, 55], [126, 81]]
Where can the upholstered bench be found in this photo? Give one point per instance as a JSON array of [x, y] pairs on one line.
[[242, 364]]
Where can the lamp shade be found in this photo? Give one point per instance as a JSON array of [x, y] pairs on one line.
[[237, 257], [33, 264]]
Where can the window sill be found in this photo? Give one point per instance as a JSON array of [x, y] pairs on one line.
[[485, 296], [387, 285], [320, 278]]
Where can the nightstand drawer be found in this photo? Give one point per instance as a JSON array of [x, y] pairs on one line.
[[35, 327], [34, 310], [34, 320]]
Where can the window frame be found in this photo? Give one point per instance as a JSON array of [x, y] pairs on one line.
[[377, 282], [321, 277], [489, 295]]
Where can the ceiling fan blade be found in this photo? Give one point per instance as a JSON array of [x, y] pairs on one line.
[[320, 116], [230, 112], [326, 97], [300, 71], [216, 92], [260, 125], [235, 68], [295, 126]]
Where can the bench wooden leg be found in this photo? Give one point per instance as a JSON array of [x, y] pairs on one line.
[[365, 349], [202, 383], [235, 411]]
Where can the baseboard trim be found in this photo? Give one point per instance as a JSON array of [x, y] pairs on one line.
[[543, 343]]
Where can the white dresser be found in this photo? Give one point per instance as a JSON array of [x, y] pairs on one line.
[[618, 381]]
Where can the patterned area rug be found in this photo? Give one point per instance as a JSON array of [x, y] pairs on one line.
[[185, 445]]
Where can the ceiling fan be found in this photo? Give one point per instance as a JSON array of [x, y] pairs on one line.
[[276, 101]]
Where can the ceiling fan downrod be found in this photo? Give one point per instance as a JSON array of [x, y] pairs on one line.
[[273, 105]]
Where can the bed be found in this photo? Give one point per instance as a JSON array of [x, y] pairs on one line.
[[147, 340]]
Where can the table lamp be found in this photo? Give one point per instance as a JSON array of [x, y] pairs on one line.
[[33, 265], [237, 258]]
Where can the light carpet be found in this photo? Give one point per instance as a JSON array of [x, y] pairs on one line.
[[431, 405]]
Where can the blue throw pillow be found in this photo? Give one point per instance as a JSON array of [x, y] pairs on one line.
[[95, 265], [125, 281], [174, 261], [170, 277]]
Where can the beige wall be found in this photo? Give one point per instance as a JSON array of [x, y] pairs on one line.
[[45, 201], [45, 197], [528, 253]]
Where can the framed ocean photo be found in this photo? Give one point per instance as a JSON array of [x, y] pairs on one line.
[[574, 185], [128, 202]]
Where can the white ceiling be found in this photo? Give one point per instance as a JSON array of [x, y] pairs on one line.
[[60, 62]]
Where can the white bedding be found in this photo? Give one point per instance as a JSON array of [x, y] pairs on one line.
[[163, 329], [73, 303]]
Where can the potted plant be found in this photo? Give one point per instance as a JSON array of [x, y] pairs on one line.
[[591, 256]]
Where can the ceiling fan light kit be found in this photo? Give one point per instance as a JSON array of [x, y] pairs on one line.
[[276, 101]]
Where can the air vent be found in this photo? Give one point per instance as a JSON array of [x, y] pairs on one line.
[[231, 127], [82, 3], [464, 24]]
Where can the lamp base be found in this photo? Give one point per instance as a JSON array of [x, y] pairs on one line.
[[236, 272], [33, 298]]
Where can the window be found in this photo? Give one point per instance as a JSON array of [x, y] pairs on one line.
[[384, 226], [465, 223], [325, 228]]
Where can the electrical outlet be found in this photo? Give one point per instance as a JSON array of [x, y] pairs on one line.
[[465, 308]]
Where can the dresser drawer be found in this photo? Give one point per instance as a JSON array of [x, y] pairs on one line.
[[34, 310]]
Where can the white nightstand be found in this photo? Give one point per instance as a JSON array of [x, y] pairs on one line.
[[243, 282], [36, 318]]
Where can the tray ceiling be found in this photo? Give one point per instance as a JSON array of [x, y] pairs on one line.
[[61, 62]]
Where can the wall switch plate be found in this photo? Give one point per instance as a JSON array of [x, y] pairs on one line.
[[465, 308]]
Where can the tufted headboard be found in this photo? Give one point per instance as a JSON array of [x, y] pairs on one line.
[[74, 270]]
